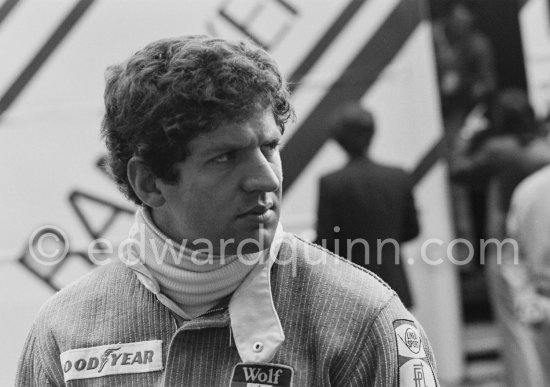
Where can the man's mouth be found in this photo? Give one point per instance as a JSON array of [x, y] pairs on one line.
[[260, 213]]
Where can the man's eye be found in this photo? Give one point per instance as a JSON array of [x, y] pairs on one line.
[[224, 157], [272, 147]]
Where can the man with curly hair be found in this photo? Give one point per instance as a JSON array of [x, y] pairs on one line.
[[210, 291]]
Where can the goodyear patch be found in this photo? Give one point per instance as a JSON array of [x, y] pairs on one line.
[[128, 358], [414, 368], [261, 375]]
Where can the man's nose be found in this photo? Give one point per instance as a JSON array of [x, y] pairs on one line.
[[261, 175]]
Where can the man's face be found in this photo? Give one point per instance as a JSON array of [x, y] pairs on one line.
[[229, 187]]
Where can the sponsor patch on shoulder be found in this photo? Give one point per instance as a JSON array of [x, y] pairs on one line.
[[113, 359], [409, 342], [261, 375], [414, 368]]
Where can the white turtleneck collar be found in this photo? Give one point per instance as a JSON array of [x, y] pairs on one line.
[[191, 283]]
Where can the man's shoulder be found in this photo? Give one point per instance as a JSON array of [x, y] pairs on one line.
[[92, 295], [538, 182], [311, 265], [531, 198], [345, 310], [99, 282]]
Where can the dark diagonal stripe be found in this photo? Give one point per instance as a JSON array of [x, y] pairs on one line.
[[43, 54], [324, 42], [288, 6], [241, 27], [354, 82], [427, 162], [78, 197], [6, 7]]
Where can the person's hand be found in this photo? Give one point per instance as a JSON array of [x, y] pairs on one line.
[[474, 122]]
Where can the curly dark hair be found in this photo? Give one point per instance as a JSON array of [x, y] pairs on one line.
[[174, 89]]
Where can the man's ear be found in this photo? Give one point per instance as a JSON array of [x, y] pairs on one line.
[[143, 182]]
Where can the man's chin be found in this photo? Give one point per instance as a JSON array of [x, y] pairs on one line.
[[256, 239]]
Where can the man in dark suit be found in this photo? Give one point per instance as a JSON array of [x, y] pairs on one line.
[[366, 209]]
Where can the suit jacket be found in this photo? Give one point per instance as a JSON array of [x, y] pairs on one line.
[[365, 211]]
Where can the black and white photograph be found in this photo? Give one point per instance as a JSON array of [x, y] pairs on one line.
[[275, 193]]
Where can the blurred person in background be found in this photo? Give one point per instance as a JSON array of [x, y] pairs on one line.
[[465, 61], [368, 203], [511, 148], [528, 278], [499, 158], [467, 83]]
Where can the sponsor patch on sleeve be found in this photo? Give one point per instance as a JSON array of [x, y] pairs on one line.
[[261, 375], [113, 359], [414, 368]]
